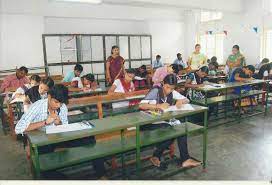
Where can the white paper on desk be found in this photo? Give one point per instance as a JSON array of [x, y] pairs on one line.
[[53, 129], [181, 81], [17, 100], [184, 107], [138, 78], [75, 112]]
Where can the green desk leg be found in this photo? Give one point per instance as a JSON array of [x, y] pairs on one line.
[[37, 171], [225, 103], [123, 155], [206, 98], [138, 152], [205, 139], [239, 104]]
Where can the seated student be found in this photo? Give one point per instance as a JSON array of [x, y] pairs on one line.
[[265, 72], [20, 92], [141, 72], [72, 74], [213, 66], [162, 72], [264, 61], [195, 80], [89, 82], [157, 63], [53, 111], [243, 74], [121, 86], [15, 81], [39, 92], [179, 61], [161, 97]]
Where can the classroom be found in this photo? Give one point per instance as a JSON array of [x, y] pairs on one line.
[[136, 90]]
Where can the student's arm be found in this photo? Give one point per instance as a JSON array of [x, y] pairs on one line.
[[113, 88], [108, 71], [5, 84], [146, 106], [181, 100], [62, 118], [188, 84], [238, 78]]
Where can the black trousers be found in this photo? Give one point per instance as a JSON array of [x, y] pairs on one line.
[[98, 164], [161, 147]]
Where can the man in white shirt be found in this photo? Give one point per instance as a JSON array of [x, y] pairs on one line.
[[179, 61], [157, 63]]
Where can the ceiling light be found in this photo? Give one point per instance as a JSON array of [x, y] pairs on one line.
[[81, 1]]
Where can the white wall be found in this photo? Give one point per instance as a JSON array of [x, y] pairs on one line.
[[21, 41], [24, 24]]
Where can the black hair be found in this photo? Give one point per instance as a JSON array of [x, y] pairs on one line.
[[48, 81], [251, 68], [36, 78], [158, 56], [265, 61], [130, 71], [204, 69], [23, 68], [114, 47], [170, 79], [179, 54], [90, 77], [60, 93], [197, 45], [78, 67], [143, 67], [214, 59], [176, 68], [236, 47]]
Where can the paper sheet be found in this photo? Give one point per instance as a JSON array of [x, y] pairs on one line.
[[184, 107], [75, 112], [66, 128], [138, 78], [17, 100]]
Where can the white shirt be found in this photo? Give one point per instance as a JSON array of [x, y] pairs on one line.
[[120, 89]]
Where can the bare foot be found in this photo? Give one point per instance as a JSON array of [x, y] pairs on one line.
[[190, 163], [155, 161]]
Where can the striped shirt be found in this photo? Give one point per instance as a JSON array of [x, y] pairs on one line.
[[38, 112]]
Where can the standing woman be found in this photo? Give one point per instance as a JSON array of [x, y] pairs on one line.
[[236, 59], [197, 59], [114, 65]]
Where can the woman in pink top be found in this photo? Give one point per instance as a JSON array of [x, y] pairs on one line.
[[162, 72], [16, 80]]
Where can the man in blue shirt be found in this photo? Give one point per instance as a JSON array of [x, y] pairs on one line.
[[72, 74], [179, 61], [157, 63]]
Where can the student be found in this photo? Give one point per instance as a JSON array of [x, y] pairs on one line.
[[236, 59], [20, 92], [114, 65], [195, 80], [161, 98], [265, 72], [179, 61], [72, 74], [53, 111], [162, 72], [39, 92], [157, 63], [142, 73], [243, 74], [197, 59], [15, 81], [89, 82], [121, 86], [264, 61], [213, 66]]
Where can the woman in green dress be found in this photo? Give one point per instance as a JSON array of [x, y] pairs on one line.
[[236, 59], [197, 59]]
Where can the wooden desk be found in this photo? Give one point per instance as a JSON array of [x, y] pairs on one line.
[[111, 124]]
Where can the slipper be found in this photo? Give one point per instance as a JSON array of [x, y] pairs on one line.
[[152, 160]]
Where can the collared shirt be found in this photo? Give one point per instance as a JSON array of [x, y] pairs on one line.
[[38, 112], [12, 81], [180, 62], [156, 64]]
